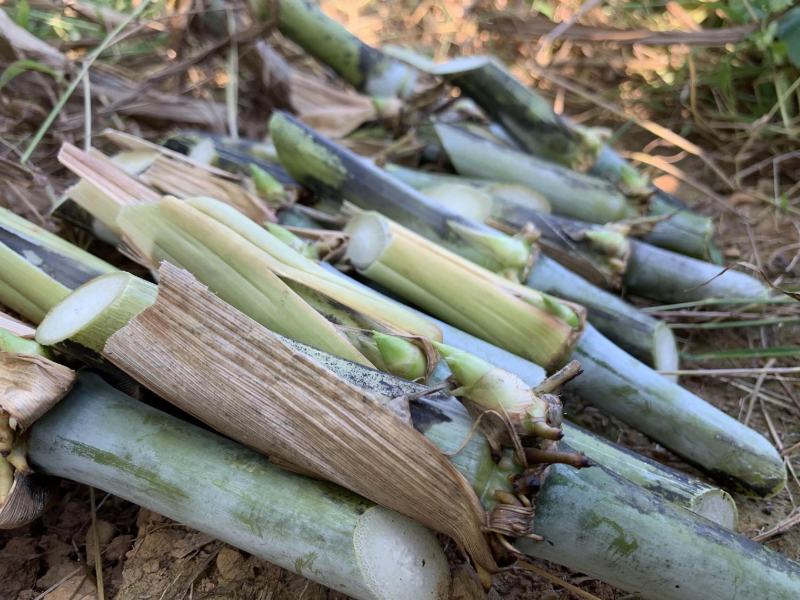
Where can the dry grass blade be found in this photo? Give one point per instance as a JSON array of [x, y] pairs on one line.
[[658, 130], [184, 180], [31, 385], [225, 369], [106, 176], [520, 25]]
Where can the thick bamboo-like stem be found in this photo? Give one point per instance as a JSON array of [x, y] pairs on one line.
[[501, 312], [574, 194], [38, 268], [648, 339], [230, 372], [316, 529], [334, 171], [704, 499], [613, 380], [699, 497], [601, 254], [243, 499], [26, 289], [528, 117], [362, 66], [670, 277], [702, 434]]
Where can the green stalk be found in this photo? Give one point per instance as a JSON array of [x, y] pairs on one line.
[[613, 380], [37, 268], [601, 254], [26, 289], [230, 266], [316, 529], [509, 315], [334, 171], [606, 501], [362, 66], [573, 194]]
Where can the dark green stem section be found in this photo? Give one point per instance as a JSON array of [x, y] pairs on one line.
[[360, 65]]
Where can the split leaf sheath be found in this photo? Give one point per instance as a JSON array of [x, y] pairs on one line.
[[228, 371]]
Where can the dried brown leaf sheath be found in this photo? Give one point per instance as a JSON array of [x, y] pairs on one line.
[[31, 385], [215, 363], [16, 326]]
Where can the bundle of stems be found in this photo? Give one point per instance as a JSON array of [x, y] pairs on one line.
[[495, 309], [529, 118], [603, 254], [654, 566], [316, 529], [37, 268], [225, 369], [577, 195], [333, 171], [690, 493], [613, 380], [703, 499], [233, 255]]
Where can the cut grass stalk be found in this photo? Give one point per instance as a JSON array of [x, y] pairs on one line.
[[609, 498], [641, 335], [225, 369], [362, 66], [336, 172], [601, 254], [576, 195], [613, 380], [240, 497], [509, 315]]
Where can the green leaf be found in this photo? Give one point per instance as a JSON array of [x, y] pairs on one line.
[[22, 13], [19, 67], [789, 34]]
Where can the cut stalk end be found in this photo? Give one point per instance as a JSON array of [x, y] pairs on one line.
[[398, 558], [96, 310]]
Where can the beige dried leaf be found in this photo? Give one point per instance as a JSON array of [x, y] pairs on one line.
[[222, 367], [334, 112], [184, 180], [30, 385], [16, 326]]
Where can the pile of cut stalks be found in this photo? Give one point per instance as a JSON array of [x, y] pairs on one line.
[[374, 352]]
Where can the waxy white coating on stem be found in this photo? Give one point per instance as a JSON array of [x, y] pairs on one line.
[[316, 529]]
